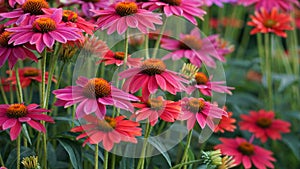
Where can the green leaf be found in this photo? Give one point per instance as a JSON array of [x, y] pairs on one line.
[[51, 155], [12, 160], [293, 143], [73, 151], [25, 132], [161, 148]]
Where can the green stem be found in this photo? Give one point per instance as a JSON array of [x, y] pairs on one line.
[[126, 44], [189, 138], [157, 43], [113, 161], [43, 67], [3, 93], [268, 71], [187, 163], [205, 24], [96, 156], [18, 152], [19, 87], [141, 161], [105, 163], [60, 75], [147, 46], [1, 160], [10, 89]]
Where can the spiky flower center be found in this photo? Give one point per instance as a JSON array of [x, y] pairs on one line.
[[69, 15], [269, 23], [126, 8], [4, 38], [246, 148], [31, 72], [191, 42], [44, 25], [196, 105], [153, 66], [264, 122], [201, 78], [34, 7], [155, 103], [97, 88], [107, 124], [120, 55], [16, 111], [172, 2]]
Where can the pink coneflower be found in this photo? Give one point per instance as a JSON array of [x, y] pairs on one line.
[[270, 22], [246, 153], [92, 45], [226, 123], [44, 31], [216, 2], [27, 76], [189, 9], [88, 5], [72, 19], [198, 109], [152, 74], [117, 58], [119, 16], [155, 108], [264, 125], [12, 116], [27, 13], [206, 86], [108, 131], [269, 4], [13, 53], [12, 3], [193, 47], [93, 95]]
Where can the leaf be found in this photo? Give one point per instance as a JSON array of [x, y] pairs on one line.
[[12, 160], [286, 82], [52, 159], [25, 132], [293, 143], [73, 152], [161, 149]]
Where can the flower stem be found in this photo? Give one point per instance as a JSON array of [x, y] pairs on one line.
[[268, 71], [143, 152], [157, 43], [43, 67], [10, 89], [113, 161], [18, 152], [147, 46], [187, 163], [60, 75], [105, 163], [189, 138], [19, 87], [126, 44], [3, 92], [96, 156], [1, 160]]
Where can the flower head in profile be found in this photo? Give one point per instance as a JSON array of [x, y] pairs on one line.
[[88, 5], [151, 75], [264, 125], [7, 85], [27, 13], [270, 4], [44, 31], [226, 123], [31, 162], [189, 9], [270, 22], [198, 109], [121, 15], [206, 86], [246, 153], [193, 47], [12, 53], [12, 116], [155, 108], [92, 95], [108, 130], [92, 45], [117, 58], [27, 76]]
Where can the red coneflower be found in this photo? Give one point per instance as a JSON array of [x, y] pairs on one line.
[[12, 116], [226, 123], [271, 22], [118, 58], [264, 125], [246, 153], [108, 131]]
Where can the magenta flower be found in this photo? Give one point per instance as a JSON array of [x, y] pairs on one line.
[[117, 58], [216, 2], [206, 86], [12, 3], [151, 75], [198, 109], [13, 53], [12, 116], [269, 4], [28, 12], [119, 16], [194, 48], [155, 108], [93, 95], [189, 9], [88, 5], [44, 31]]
